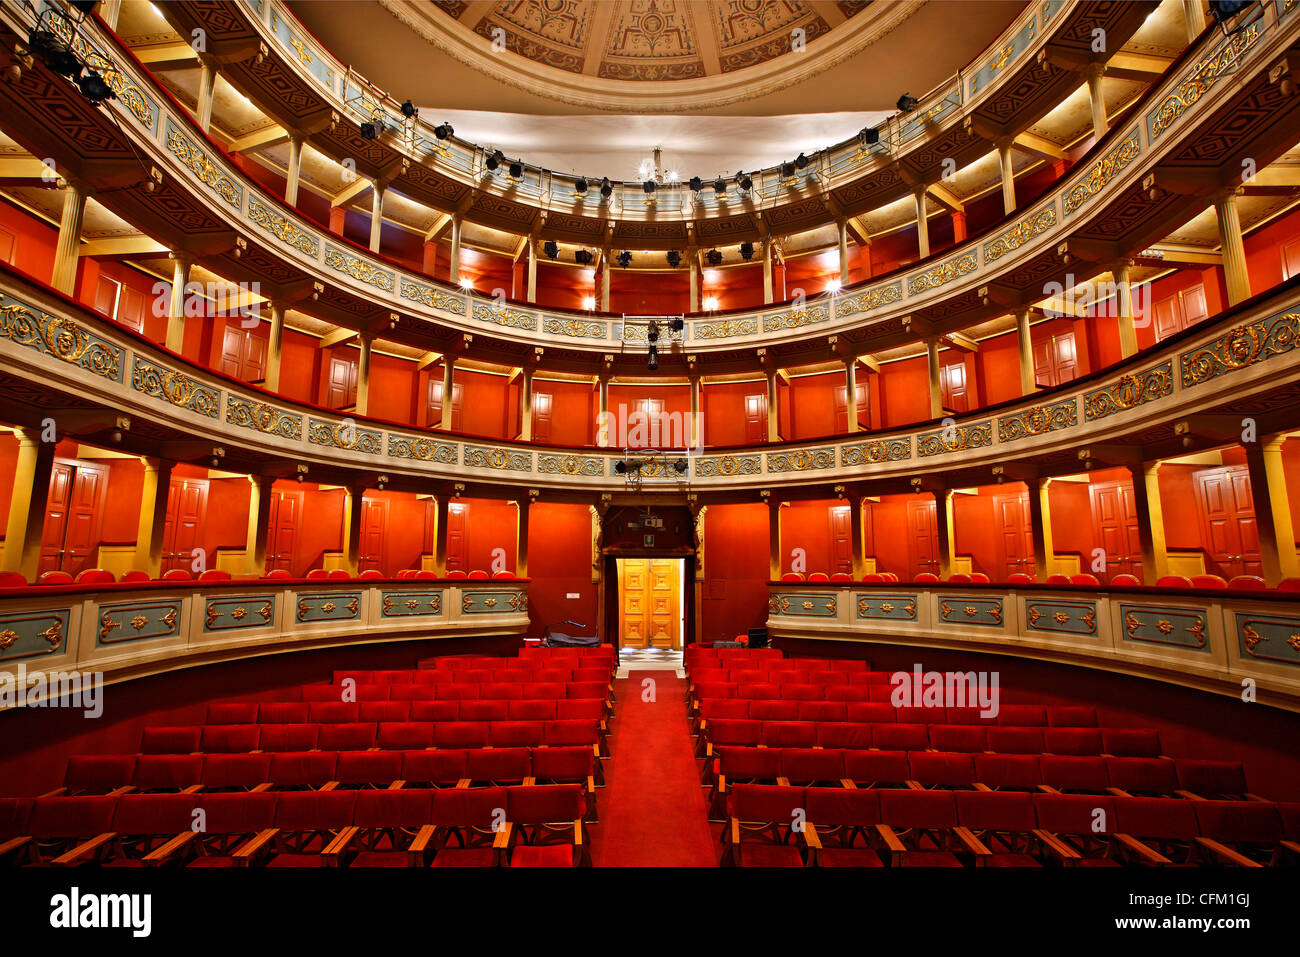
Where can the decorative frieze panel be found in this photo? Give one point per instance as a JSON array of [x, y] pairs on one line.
[[433, 297], [1022, 232], [1039, 420], [806, 315], [570, 465], [1165, 626], [804, 604], [502, 316], [866, 301], [801, 460], [407, 604], [1064, 617], [1101, 173], [715, 466], [239, 612], [955, 438], [329, 606], [873, 605], [1240, 348], [1129, 392], [196, 159], [725, 328], [344, 435], [971, 610], [421, 449], [340, 260], [875, 452], [1202, 77], [942, 274], [138, 621], [282, 228], [60, 338], [1269, 637], [574, 328], [497, 459], [177, 388], [493, 602], [263, 417], [33, 634]]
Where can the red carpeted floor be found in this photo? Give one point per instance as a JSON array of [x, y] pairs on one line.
[[652, 809]]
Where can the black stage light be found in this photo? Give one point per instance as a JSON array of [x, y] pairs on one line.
[[56, 54], [719, 186], [674, 258], [679, 466], [870, 136], [652, 331], [747, 251], [443, 131], [495, 160], [801, 161], [409, 111], [653, 362], [676, 325], [93, 87], [787, 168], [84, 6], [713, 257], [516, 170], [1226, 9], [620, 467], [697, 184], [580, 185], [744, 182], [583, 257], [369, 130], [551, 248], [606, 189], [625, 259], [907, 103], [649, 186]]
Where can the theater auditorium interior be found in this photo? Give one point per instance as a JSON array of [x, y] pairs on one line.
[[673, 433]]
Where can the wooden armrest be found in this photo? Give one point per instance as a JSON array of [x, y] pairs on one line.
[[1118, 792], [1292, 846], [423, 837], [892, 843], [1048, 789], [810, 836], [1188, 795], [160, 854], [783, 782], [982, 787], [973, 843], [83, 849], [734, 831], [340, 844], [502, 839], [914, 785], [848, 783], [463, 783], [396, 785], [1148, 854], [254, 844], [1056, 845], [329, 786], [1227, 853], [264, 786], [1255, 797], [529, 781], [13, 844], [124, 789], [722, 784], [577, 833], [57, 792]]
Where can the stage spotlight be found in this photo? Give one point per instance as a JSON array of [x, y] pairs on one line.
[[653, 362], [679, 466], [444, 131], [713, 257], [56, 54], [676, 325], [583, 257], [801, 161], [697, 184], [551, 248], [652, 331], [580, 185], [495, 160], [870, 136], [621, 467], [606, 189], [719, 186], [907, 103], [1226, 9], [625, 259], [409, 111], [649, 186], [516, 170], [369, 130], [787, 169], [84, 6], [94, 88], [674, 258], [744, 182], [747, 251]]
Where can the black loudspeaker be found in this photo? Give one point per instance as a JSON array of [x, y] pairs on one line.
[[758, 637]]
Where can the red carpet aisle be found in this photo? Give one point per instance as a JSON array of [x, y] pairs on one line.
[[652, 810]]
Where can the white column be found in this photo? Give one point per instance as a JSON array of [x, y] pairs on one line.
[[1098, 103], [1028, 382], [274, 348], [181, 263], [1008, 177], [526, 405], [376, 216], [1124, 307], [922, 225], [1235, 275], [363, 374], [532, 269], [936, 388], [294, 170], [843, 226], [67, 253], [453, 264], [1194, 15], [767, 271], [207, 83]]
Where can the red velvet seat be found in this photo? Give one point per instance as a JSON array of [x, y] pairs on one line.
[[941, 769], [237, 712], [959, 737], [926, 819], [12, 580], [1143, 776], [317, 574], [959, 578], [471, 816], [142, 824], [1289, 585], [303, 769], [979, 578], [232, 820], [1058, 579], [926, 578], [332, 712], [567, 734], [760, 826], [177, 575], [516, 734], [95, 576], [214, 575], [819, 577], [382, 712], [548, 825], [370, 574], [562, 765], [1016, 772], [170, 740], [900, 737], [1003, 823], [1239, 831], [1174, 581], [1167, 826], [841, 577], [1247, 583], [433, 768], [1211, 779], [876, 768], [97, 773], [1212, 582], [392, 829], [54, 578], [807, 767], [339, 574], [135, 575], [457, 574], [229, 738], [873, 578], [1125, 581], [847, 735], [792, 577], [1083, 823], [478, 574], [1084, 578], [1020, 578], [306, 822], [405, 735], [377, 769], [289, 737], [843, 821], [1015, 740], [1072, 741], [167, 772], [58, 824], [1084, 773], [275, 574], [358, 736], [235, 772]]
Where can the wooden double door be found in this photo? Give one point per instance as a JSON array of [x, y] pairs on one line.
[[73, 516], [649, 602]]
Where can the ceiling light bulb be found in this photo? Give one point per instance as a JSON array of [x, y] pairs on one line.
[[834, 285], [589, 302]]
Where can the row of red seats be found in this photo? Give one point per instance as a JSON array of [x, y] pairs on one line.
[[468, 709], [105, 773], [1237, 583], [1122, 742], [102, 576], [456, 690], [539, 825], [454, 666], [878, 577], [361, 736], [844, 827], [499, 675], [882, 712], [1165, 777]]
